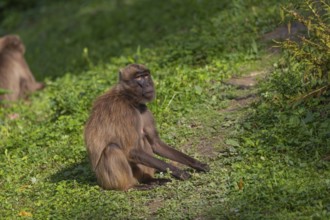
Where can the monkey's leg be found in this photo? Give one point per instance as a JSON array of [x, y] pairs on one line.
[[28, 86], [142, 173], [164, 150], [37, 86], [113, 170], [145, 174], [140, 157]]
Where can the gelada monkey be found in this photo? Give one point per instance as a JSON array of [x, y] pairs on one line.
[[121, 136], [15, 74]]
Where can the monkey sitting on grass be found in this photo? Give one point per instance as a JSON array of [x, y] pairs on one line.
[[15, 75], [121, 136]]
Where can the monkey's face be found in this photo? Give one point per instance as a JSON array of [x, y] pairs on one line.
[[144, 86], [138, 83]]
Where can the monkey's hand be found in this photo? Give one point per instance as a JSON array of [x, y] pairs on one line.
[[202, 167], [180, 174], [184, 175]]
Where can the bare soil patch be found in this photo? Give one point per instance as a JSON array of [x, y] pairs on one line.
[[247, 81]]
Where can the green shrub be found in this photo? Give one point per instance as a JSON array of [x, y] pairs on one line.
[[304, 70]]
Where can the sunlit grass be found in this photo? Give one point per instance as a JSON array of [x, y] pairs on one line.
[[262, 166]]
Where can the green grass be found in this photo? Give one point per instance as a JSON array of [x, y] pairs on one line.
[[275, 152]]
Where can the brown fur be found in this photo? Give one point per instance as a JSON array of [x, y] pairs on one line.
[[15, 74], [121, 137]]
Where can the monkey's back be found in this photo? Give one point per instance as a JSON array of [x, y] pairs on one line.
[[112, 121], [15, 74], [9, 75]]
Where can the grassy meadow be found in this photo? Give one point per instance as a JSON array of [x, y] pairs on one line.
[[268, 159]]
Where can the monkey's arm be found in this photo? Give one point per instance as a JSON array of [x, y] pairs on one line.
[[140, 157], [162, 149]]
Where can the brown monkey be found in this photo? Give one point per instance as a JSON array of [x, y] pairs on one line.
[[121, 136], [15, 74]]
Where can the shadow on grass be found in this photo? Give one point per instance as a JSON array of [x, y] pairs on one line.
[[80, 172]]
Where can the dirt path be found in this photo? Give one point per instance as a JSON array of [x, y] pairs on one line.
[[247, 83], [215, 144]]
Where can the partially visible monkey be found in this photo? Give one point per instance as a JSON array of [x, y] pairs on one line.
[[121, 136], [15, 74]]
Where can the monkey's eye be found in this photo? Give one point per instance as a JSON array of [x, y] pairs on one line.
[[139, 77]]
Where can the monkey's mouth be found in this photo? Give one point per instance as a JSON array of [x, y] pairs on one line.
[[148, 94]]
